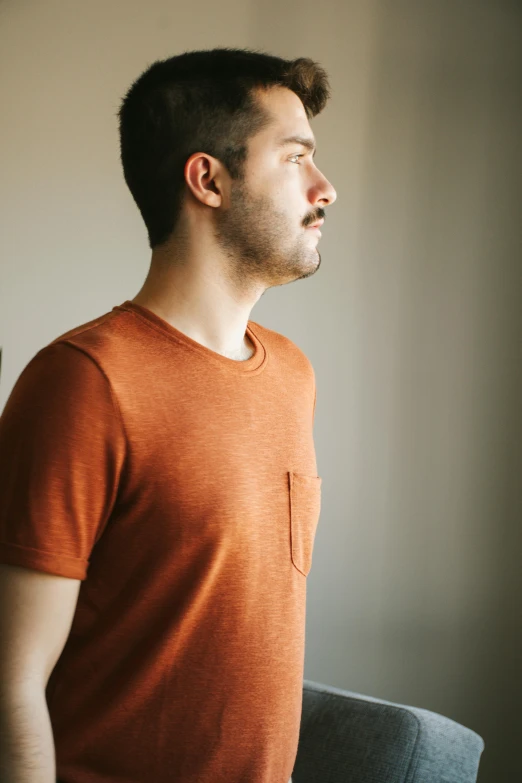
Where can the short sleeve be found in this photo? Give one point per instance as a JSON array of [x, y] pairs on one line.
[[62, 450]]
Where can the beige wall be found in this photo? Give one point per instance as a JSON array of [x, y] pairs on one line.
[[412, 323]]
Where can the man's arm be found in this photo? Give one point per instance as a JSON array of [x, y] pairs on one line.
[[36, 613]]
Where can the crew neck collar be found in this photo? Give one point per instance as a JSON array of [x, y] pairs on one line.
[[253, 364]]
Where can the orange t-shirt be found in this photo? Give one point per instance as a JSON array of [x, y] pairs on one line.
[[180, 486]]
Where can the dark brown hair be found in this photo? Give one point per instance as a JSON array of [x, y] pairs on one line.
[[200, 101]]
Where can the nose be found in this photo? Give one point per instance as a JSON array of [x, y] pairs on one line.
[[331, 193], [325, 194]]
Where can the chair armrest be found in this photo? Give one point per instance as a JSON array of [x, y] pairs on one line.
[[346, 737]]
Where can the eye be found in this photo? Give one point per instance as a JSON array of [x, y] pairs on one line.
[[297, 156]]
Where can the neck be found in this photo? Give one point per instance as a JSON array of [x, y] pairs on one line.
[[200, 302]]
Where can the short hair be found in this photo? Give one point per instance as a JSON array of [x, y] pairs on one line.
[[201, 101]]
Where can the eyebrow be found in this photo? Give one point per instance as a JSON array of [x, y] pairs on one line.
[[304, 141]]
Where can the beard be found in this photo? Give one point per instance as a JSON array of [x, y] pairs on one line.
[[261, 244]]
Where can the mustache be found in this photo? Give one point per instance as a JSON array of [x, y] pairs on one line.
[[320, 216]]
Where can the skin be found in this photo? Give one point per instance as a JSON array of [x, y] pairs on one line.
[[237, 239]]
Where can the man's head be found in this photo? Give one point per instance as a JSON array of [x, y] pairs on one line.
[[202, 148]]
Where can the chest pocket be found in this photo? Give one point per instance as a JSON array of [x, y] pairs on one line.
[[305, 507]]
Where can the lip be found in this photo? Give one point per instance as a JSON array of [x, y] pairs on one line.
[[316, 225]]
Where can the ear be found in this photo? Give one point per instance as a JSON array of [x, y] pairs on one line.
[[204, 178]]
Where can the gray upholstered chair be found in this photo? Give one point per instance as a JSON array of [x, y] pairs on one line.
[[349, 738]]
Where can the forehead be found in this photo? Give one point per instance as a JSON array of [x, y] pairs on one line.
[[288, 121]]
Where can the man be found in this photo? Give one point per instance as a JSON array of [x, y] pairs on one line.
[[158, 487]]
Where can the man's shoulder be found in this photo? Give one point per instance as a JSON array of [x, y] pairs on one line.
[[102, 330], [282, 346], [84, 351]]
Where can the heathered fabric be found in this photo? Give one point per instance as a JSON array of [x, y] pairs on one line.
[[181, 487]]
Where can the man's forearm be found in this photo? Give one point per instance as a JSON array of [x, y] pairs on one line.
[[26, 738]]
